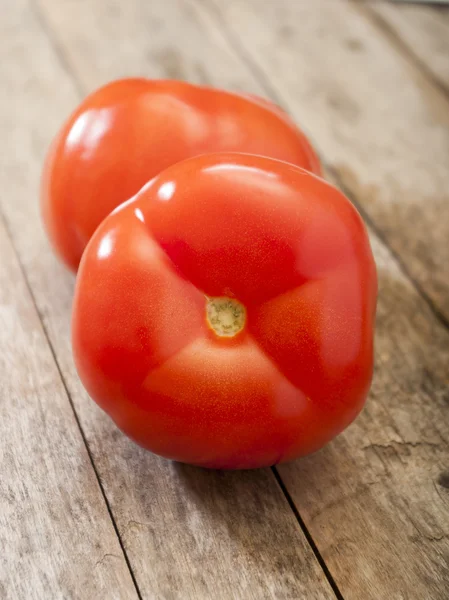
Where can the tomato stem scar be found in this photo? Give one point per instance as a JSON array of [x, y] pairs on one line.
[[225, 316]]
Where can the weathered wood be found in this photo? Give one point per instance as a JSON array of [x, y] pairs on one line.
[[381, 125], [367, 506], [56, 537], [157, 39], [423, 29], [376, 501], [365, 509], [188, 533]]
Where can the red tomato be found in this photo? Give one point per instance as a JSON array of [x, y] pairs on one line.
[[224, 316], [130, 130]]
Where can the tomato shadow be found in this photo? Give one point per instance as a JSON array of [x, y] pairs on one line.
[[224, 530], [247, 522], [206, 525], [406, 407]]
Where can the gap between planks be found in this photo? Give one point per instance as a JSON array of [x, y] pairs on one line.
[[307, 534], [273, 93], [287, 561], [400, 22], [65, 63], [69, 398]]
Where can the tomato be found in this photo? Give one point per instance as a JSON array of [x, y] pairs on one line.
[[224, 316], [128, 131]]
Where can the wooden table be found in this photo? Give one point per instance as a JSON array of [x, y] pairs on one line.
[[84, 513]]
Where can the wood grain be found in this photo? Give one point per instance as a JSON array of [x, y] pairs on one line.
[[425, 32], [375, 499], [157, 39], [188, 533], [56, 535], [379, 123]]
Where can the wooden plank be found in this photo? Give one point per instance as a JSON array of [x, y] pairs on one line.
[[56, 535], [380, 124], [400, 381], [157, 39], [406, 408], [188, 533], [376, 501], [425, 32]]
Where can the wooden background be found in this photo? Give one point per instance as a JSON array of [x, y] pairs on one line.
[[84, 513]]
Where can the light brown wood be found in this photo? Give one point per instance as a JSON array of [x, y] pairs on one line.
[[169, 39], [56, 537], [379, 123], [188, 533], [363, 568], [375, 500], [423, 29]]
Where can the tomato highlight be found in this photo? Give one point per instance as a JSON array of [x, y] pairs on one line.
[[224, 317], [128, 131]]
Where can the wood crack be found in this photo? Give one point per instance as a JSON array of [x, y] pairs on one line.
[[394, 443]]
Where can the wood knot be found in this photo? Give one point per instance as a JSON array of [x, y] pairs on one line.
[[443, 479]]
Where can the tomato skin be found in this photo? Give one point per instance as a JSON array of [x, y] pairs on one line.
[[127, 132], [286, 244]]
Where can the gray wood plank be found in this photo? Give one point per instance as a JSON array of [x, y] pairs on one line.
[[383, 524], [188, 533], [56, 535], [155, 39], [424, 30], [381, 125], [376, 500]]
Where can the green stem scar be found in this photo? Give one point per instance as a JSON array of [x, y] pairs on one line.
[[225, 316]]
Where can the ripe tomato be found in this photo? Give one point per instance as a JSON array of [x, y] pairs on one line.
[[128, 131], [224, 316]]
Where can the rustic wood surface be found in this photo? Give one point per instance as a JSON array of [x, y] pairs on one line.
[[55, 532], [84, 513], [187, 533], [381, 124], [423, 32]]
